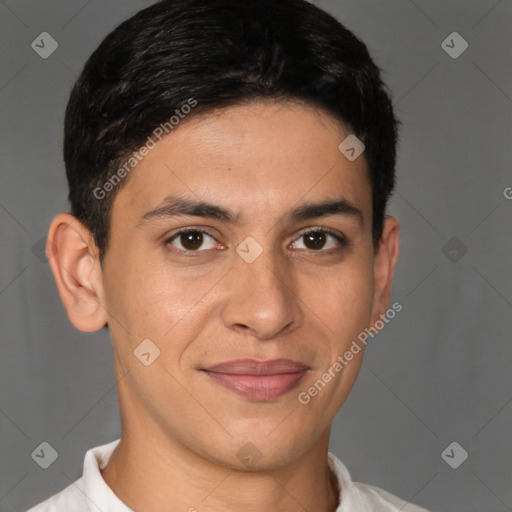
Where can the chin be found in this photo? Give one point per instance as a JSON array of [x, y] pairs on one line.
[[257, 449]]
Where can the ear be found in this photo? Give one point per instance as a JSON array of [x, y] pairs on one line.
[[384, 265], [73, 257]]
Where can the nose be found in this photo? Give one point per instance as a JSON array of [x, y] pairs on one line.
[[261, 299]]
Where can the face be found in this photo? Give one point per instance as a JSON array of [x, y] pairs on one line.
[[243, 237]]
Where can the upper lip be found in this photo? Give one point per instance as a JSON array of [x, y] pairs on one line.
[[255, 367]]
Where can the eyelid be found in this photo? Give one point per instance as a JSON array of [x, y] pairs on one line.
[[340, 238], [188, 229]]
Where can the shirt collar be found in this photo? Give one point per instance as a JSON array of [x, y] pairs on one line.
[[101, 496]]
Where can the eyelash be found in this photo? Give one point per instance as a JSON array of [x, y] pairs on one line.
[[343, 242]]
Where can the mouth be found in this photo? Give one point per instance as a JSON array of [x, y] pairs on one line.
[[258, 380]]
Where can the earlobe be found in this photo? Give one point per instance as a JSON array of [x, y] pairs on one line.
[[74, 261], [384, 266]]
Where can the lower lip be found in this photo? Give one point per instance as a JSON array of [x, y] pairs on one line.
[[259, 387]]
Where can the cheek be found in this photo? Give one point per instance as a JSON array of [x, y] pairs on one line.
[[136, 287], [157, 302], [343, 301]]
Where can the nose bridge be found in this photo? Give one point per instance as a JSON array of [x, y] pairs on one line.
[[260, 257], [260, 296], [267, 273]]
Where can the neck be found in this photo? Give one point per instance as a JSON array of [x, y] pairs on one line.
[[149, 476]]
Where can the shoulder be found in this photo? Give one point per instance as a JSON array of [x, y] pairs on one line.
[[379, 499], [90, 491], [360, 497], [70, 498]]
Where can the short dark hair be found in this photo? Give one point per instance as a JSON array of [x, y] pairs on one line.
[[220, 53]]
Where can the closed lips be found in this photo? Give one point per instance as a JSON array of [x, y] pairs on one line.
[[254, 367], [258, 380]]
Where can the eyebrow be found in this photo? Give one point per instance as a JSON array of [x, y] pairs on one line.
[[176, 207]]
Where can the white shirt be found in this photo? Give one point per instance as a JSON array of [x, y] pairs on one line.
[[90, 493]]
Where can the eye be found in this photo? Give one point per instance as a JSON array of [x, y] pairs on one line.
[[191, 240], [318, 239]]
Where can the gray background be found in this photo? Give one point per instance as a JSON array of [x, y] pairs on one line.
[[439, 371]]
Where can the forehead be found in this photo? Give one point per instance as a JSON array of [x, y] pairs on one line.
[[259, 158]]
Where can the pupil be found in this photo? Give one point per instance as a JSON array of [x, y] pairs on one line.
[[316, 239], [192, 240]]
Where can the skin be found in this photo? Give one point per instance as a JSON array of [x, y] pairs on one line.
[[181, 431]]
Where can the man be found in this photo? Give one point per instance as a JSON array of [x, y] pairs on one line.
[[229, 164]]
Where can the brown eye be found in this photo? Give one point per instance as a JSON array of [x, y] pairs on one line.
[[314, 240], [192, 240], [319, 240]]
